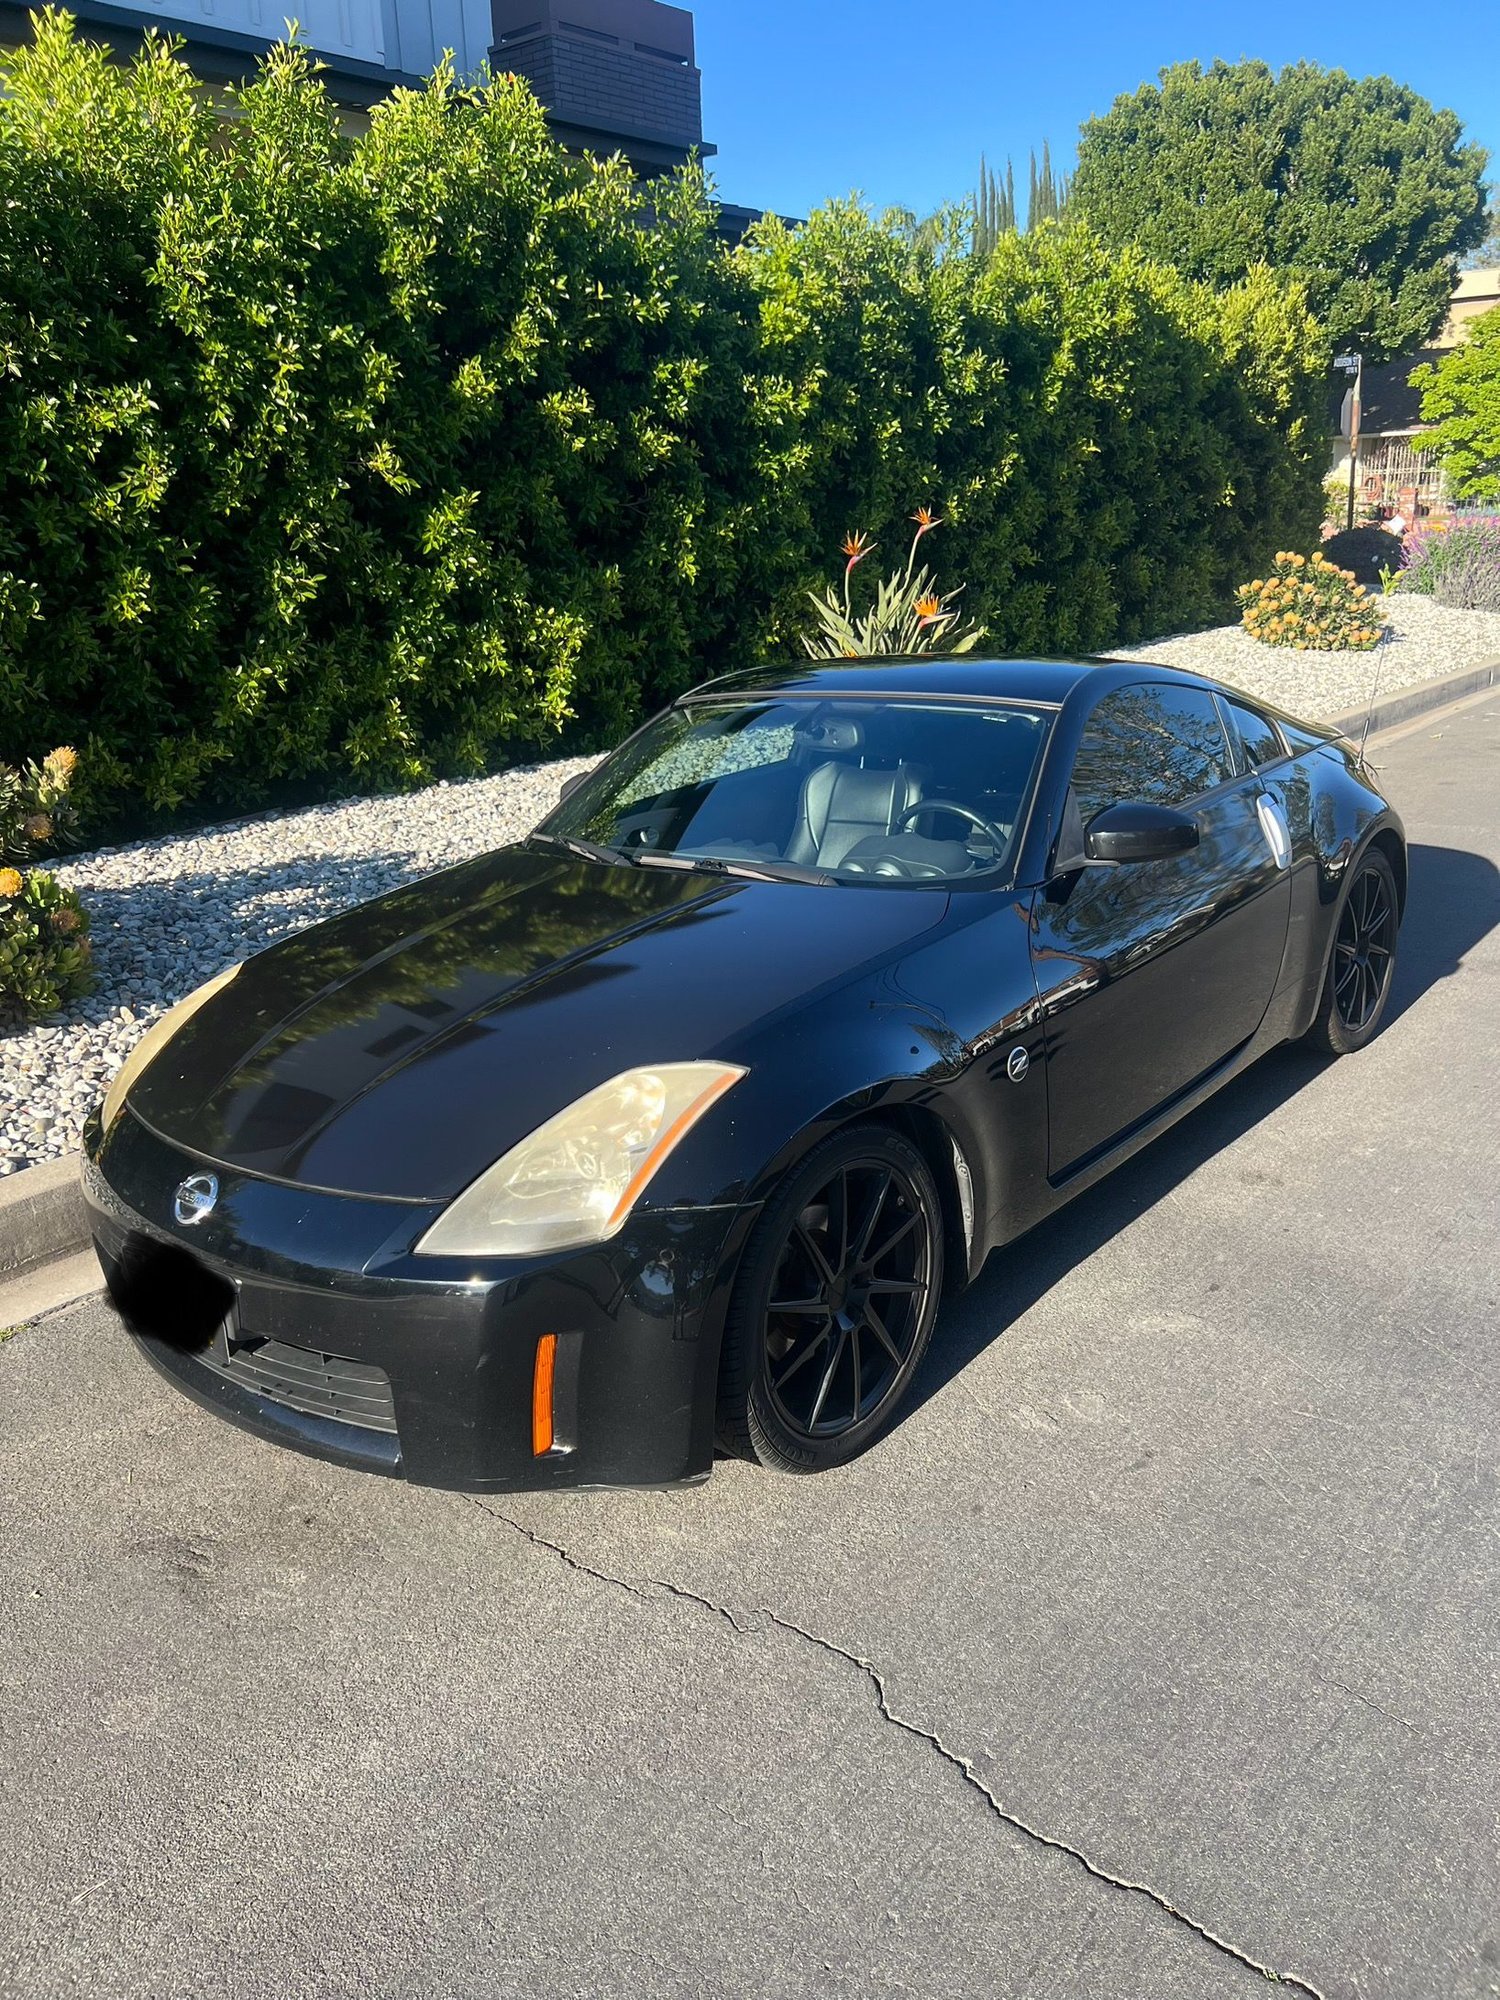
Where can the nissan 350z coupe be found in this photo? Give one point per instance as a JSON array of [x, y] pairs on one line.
[[669, 1127]]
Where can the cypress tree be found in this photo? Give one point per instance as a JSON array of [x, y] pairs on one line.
[[994, 207], [1049, 190]]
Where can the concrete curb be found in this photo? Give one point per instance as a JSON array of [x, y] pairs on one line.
[[42, 1216], [1407, 702]]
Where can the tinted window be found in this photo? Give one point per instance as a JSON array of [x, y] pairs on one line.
[[1150, 745], [1258, 739], [1301, 738]]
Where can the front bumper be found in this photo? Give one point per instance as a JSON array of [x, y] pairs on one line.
[[322, 1291]]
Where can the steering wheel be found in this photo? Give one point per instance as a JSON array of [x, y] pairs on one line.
[[976, 820]]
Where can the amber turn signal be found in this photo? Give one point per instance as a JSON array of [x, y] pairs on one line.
[[541, 1395]]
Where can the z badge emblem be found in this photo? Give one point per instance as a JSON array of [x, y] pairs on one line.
[[195, 1197]]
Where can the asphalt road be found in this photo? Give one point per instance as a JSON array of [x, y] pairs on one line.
[[1156, 1648]]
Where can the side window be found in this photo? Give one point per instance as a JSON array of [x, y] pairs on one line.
[[1258, 739], [1150, 745]]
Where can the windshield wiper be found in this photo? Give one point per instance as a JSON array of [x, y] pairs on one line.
[[748, 871], [590, 850]]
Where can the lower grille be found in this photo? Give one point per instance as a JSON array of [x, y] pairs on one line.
[[302, 1378]]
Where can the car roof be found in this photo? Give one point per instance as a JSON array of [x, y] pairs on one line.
[[1048, 682]]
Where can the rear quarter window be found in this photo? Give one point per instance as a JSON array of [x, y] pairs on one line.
[[1258, 737]]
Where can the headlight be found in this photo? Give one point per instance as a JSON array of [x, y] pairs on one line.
[[576, 1179], [155, 1039]]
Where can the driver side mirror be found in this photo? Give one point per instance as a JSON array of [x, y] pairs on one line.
[[1139, 833]]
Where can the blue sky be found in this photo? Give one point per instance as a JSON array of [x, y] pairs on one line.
[[806, 101]]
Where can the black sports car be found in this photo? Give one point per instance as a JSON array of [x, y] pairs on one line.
[[672, 1124]]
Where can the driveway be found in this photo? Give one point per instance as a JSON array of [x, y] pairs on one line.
[[1155, 1651]]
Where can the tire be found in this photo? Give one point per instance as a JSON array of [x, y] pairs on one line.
[[1362, 962], [850, 1248]]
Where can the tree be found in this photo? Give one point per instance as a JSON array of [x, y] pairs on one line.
[[995, 200], [1461, 399], [1359, 186], [994, 207], [1048, 191]]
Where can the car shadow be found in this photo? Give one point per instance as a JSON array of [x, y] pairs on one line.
[[1453, 901]]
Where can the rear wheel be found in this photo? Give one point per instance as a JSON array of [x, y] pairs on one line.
[[834, 1303], [1363, 963]]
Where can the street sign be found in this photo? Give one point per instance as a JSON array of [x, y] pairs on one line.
[[1348, 362]]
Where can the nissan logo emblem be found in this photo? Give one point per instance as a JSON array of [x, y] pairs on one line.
[[195, 1197]]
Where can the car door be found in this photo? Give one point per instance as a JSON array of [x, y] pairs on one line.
[[1151, 973]]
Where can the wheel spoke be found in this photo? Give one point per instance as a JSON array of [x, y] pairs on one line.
[[890, 1242], [805, 1353], [838, 1237], [854, 1353], [821, 1266], [878, 1327], [827, 1382], [912, 1285], [857, 1256], [798, 1306]]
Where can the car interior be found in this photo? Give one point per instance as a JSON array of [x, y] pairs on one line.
[[892, 791]]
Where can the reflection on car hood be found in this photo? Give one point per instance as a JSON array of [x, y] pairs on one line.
[[400, 1048]]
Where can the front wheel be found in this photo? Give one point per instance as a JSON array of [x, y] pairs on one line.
[[1363, 963], [834, 1303]]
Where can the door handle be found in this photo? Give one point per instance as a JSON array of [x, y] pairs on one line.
[[1273, 825]]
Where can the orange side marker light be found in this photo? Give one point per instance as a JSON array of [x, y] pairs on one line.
[[541, 1395]]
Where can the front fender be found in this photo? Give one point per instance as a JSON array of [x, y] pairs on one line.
[[925, 1039]]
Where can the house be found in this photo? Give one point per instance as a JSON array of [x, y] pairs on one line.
[[1393, 475], [614, 76], [1475, 294]]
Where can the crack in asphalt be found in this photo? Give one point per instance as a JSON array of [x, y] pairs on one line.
[[960, 1763]]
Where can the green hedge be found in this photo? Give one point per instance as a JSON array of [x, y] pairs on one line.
[[346, 463]]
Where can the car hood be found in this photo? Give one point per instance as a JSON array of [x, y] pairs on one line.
[[398, 1049]]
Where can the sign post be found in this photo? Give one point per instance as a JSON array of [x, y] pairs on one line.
[[1352, 364]]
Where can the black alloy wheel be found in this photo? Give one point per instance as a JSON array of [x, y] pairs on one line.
[[1362, 964], [1365, 949], [835, 1304]]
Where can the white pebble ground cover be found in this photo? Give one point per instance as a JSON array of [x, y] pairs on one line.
[[1423, 641], [169, 913]]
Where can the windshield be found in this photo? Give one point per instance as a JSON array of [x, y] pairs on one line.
[[879, 791]]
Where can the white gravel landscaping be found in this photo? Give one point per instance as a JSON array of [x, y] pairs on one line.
[[1423, 641], [169, 913]]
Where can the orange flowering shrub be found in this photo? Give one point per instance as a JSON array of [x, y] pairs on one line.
[[1310, 604], [44, 945]]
